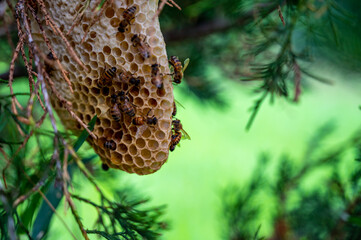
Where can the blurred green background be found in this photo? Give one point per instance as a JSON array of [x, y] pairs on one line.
[[217, 107]]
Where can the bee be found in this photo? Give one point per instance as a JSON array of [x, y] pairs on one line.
[[48, 67], [148, 120], [106, 78], [135, 81], [128, 15], [111, 145], [157, 78], [174, 109], [129, 78], [176, 137], [115, 112], [105, 167], [178, 69], [125, 105], [142, 46]]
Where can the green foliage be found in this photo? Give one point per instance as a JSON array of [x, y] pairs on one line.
[[326, 210]]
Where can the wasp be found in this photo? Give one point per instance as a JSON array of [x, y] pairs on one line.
[[111, 145], [128, 15], [142, 46], [105, 167], [125, 105], [106, 78], [157, 78], [148, 120], [178, 69]]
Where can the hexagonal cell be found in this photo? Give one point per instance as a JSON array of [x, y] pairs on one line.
[[153, 145], [109, 12], [122, 148], [133, 150], [139, 162], [128, 159]]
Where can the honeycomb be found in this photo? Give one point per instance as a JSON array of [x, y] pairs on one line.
[[140, 149]]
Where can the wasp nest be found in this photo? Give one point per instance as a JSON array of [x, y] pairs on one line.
[[125, 59]]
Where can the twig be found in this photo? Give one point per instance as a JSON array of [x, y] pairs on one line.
[[297, 80]]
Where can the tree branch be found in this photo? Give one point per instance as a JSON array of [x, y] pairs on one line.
[[219, 24]]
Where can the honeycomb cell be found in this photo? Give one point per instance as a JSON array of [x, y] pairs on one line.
[[117, 52], [160, 135], [88, 81], [144, 93], [109, 13], [107, 50], [138, 101], [147, 133], [155, 165], [139, 162], [105, 122], [93, 101], [128, 159], [100, 130], [134, 67], [158, 51], [95, 90], [118, 136], [161, 156], [116, 158], [114, 22], [140, 143], [153, 145], [108, 133], [93, 34], [88, 47], [165, 104], [93, 64], [92, 110], [152, 102], [133, 150], [134, 91], [123, 148], [87, 118], [101, 57], [120, 37], [116, 125], [141, 18], [93, 57], [129, 57], [161, 92], [127, 139], [124, 46], [105, 91], [112, 61]]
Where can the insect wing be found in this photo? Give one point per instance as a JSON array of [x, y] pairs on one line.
[[186, 63], [179, 104], [140, 131], [185, 135]]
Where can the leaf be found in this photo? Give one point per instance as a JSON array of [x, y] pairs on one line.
[[55, 193], [84, 135], [355, 220]]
